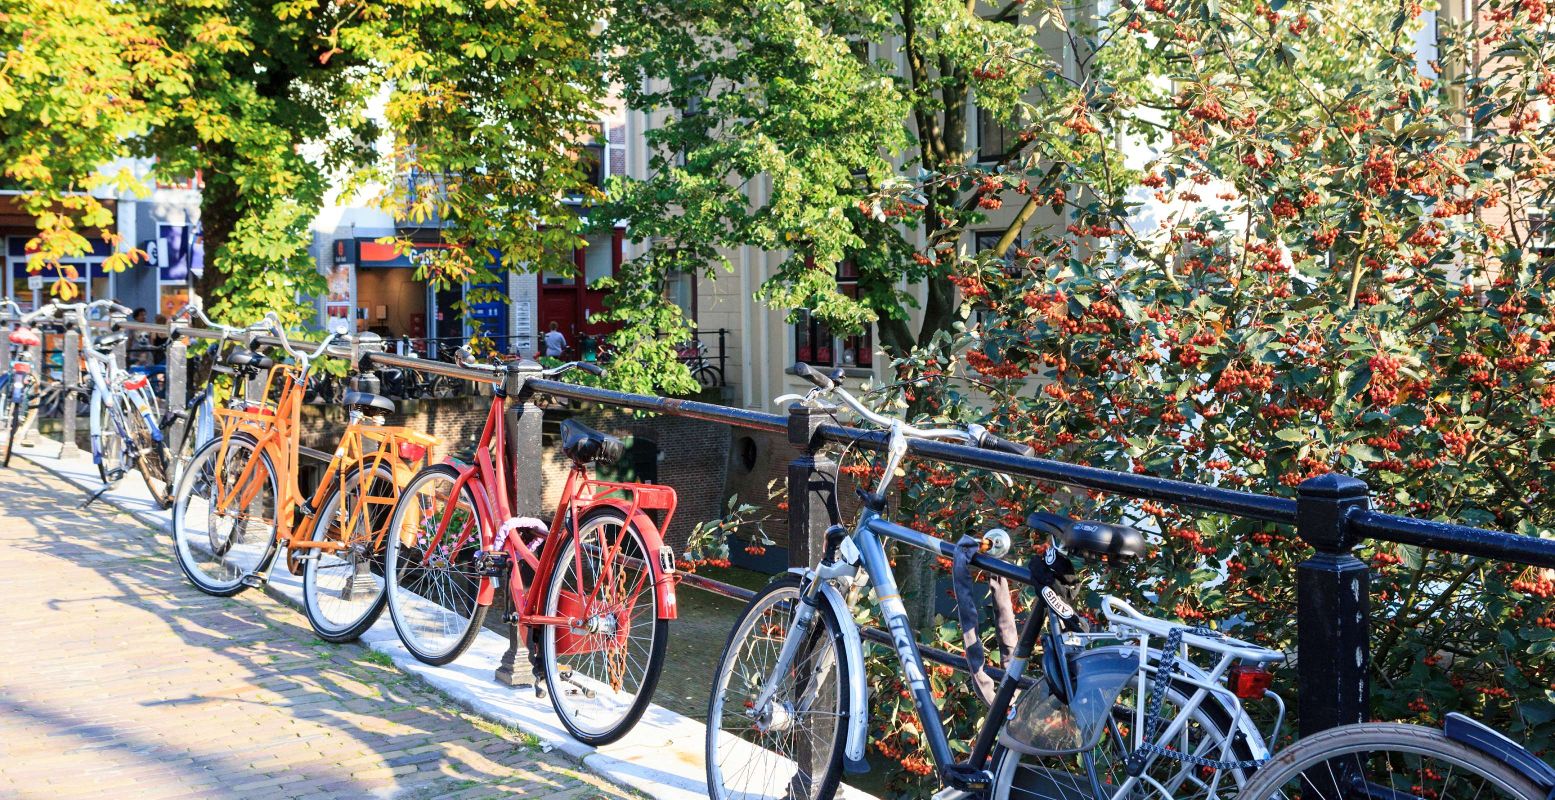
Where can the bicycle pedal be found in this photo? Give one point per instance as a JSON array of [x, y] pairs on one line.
[[253, 580], [948, 793]]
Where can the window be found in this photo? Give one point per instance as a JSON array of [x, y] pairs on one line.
[[592, 157], [994, 138], [814, 342], [988, 240], [1541, 233]]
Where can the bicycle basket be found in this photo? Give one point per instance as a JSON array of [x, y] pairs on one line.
[[1041, 724]]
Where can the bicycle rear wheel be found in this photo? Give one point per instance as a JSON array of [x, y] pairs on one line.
[[150, 459], [434, 585], [343, 589], [1386, 760], [224, 516], [602, 673], [1096, 774], [794, 749]]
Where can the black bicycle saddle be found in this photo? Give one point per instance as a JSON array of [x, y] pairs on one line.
[[1087, 537]]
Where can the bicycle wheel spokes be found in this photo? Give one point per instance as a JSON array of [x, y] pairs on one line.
[[218, 537], [602, 669], [790, 748], [343, 584], [1387, 760], [434, 584]]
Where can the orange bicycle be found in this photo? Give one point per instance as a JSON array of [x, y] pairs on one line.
[[238, 501]]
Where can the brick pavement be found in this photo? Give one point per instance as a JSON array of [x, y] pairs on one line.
[[118, 679]]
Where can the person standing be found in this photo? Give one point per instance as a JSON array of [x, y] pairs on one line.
[[555, 342]]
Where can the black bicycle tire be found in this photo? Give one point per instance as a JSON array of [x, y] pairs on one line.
[[355, 630], [655, 665], [1374, 737], [477, 617], [833, 774]]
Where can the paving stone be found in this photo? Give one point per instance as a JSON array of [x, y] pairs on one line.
[[116, 672]]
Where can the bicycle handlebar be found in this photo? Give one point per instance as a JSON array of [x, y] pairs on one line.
[[826, 387]]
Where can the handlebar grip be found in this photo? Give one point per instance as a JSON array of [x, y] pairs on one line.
[[988, 441], [814, 376], [592, 369]]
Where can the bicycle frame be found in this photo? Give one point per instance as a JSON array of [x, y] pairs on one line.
[[275, 431], [864, 549], [486, 479]]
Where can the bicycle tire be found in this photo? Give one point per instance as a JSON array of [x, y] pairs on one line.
[[722, 745], [1321, 753], [708, 376], [1050, 776], [408, 607], [14, 425], [606, 677], [108, 447], [316, 587], [151, 460], [187, 541]]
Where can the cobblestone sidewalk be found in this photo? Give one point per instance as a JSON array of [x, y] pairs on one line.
[[118, 679]]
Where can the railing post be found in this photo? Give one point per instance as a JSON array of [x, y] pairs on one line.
[[523, 420], [121, 351], [72, 357], [1333, 598], [177, 386], [812, 486], [5, 347]]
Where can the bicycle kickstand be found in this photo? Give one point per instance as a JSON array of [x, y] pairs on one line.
[[100, 492]]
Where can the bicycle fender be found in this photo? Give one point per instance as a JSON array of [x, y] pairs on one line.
[[663, 579], [858, 684], [1473, 733]]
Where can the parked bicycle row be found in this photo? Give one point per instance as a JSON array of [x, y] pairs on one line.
[[1133, 706]]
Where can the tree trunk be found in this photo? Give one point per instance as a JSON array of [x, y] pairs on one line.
[[219, 214]]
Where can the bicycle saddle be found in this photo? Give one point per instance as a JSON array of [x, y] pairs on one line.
[[367, 402], [248, 359], [25, 337], [583, 444], [1093, 538]]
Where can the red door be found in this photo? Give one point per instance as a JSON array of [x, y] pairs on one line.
[[571, 301]]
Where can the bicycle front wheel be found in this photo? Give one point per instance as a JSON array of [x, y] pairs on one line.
[[107, 444], [342, 581], [13, 420], [1384, 759], [434, 584], [602, 671], [224, 516], [793, 747]]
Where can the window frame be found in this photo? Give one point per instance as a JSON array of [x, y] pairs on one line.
[[811, 333]]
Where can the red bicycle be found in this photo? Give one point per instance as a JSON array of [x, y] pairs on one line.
[[593, 591]]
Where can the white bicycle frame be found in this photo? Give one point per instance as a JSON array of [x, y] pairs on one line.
[[109, 391]]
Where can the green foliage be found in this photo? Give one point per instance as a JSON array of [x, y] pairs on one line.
[[775, 123], [76, 79], [1339, 272], [272, 104]]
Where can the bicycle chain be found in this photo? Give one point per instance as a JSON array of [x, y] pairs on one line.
[[1163, 676]]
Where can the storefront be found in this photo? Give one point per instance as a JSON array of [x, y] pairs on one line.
[[375, 286], [178, 254], [30, 289]]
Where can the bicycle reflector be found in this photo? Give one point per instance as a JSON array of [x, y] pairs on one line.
[[1249, 681], [136, 383], [410, 451]]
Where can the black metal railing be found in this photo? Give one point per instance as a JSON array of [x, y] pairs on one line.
[[1331, 513]]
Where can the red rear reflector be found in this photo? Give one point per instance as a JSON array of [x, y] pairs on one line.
[[1249, 682], [410, 451], [137, 382], [21, 367]]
